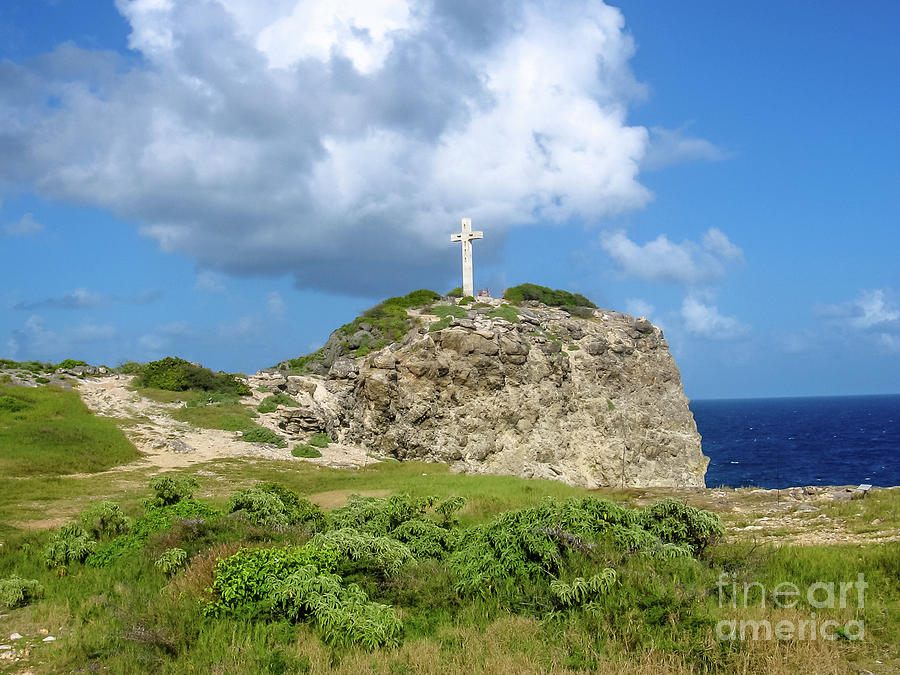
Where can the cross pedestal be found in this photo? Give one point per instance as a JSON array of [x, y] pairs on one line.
[[466, 237]]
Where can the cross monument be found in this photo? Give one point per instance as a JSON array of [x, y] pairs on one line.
[[466, 237]]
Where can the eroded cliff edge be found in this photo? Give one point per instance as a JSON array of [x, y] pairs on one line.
[[532, 391]]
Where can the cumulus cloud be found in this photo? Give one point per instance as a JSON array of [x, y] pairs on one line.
[[665, 261], [326, 139], [674, 146], [703, 319], [82, 298], [25, 227]]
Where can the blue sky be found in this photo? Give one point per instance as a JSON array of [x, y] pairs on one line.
[[228, 181]]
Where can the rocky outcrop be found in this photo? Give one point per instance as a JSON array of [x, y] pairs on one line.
[[591, 401]]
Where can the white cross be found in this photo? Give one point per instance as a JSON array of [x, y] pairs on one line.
[[466, 237]]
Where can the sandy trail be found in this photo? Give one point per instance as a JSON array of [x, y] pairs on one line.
[[167, 443]]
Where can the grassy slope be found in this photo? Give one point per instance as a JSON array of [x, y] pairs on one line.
[[130, 616], [55, 434]]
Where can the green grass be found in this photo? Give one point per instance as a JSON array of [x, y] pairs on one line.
[[445, 311], [659, 617], [53, 433], [305, 451], [506, 312], [319, 440], [257, 434], [227, 417]]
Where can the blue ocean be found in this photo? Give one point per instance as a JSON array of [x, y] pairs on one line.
[[785, 442]]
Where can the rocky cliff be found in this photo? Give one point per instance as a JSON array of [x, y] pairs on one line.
[[531, 391]]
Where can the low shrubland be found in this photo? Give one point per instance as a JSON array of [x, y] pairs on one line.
[[262, 580]]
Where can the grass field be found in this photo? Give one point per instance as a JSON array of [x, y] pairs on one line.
[[661, 615], [47, 431]]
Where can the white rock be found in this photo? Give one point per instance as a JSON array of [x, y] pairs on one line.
[[4, 648], [15, 636], [49, 638]]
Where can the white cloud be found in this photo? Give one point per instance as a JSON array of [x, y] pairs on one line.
[[322, 139], [673, 146], [704, 320], [25, 227], [873, 313], [276, 305], [663, 260]]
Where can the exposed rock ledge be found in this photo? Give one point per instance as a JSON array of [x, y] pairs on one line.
[[591, 402]]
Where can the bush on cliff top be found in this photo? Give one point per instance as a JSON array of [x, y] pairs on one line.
[[547, 296], [174, 374]]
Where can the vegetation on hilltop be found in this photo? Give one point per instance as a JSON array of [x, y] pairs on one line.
[[174, 374], [547, 296], [389, 318]]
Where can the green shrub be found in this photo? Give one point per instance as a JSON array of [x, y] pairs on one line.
[[271, 403], [242, 585], [383, 554], [379, 515], [11, 404], [273, 505], [42, 380], [169, 490], [156, 519], [104, 519], [258, 434], [583, 591], [68, 364], [675, 522], [129, 368], [448, 311], [466, 300], [69, 544], [319, 440], [174, 374], [171, 560], [455, 293], [527, 545], [18, 592], [260, 507], [342, 615], [305, 451], [547, 296], [425, 539], [298, 509]]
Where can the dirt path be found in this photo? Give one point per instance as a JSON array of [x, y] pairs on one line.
[[167, 443]]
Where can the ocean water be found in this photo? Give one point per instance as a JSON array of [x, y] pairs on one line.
[[784, 442]]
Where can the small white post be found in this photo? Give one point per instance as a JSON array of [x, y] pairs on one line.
[[466, 237]]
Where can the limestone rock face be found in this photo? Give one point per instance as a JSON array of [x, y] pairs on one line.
[[591, 401]]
